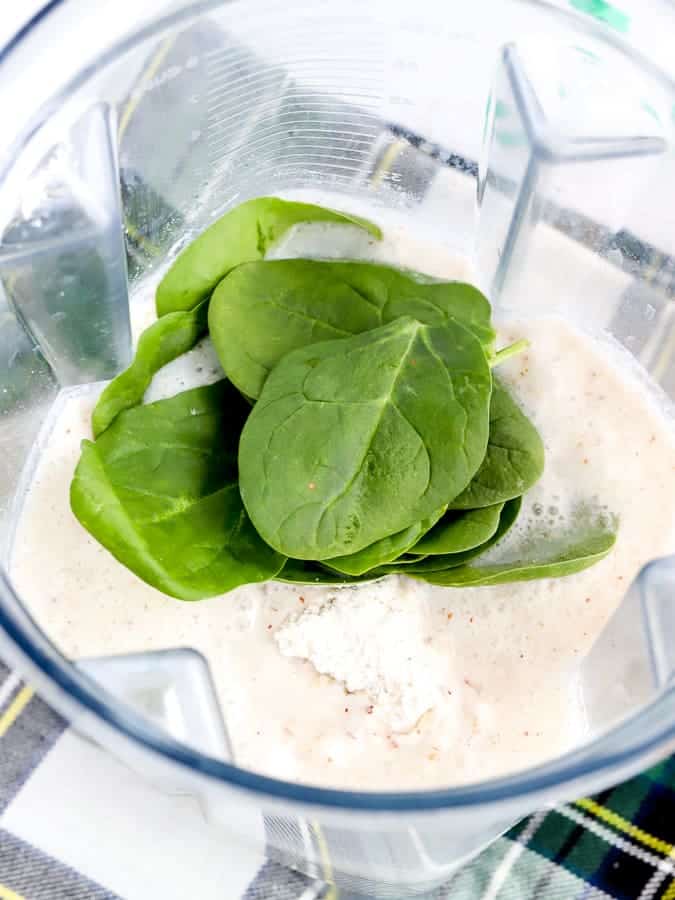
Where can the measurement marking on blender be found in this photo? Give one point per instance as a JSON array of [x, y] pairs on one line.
[[313, 100]]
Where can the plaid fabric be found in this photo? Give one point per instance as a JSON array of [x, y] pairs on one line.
[[619, 844]]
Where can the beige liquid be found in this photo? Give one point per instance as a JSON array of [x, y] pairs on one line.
[[458, 685]]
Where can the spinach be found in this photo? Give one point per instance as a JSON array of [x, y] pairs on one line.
[[380, 442], [573, 556], [510, 350], [263, 310], [385, 550], [458, 531], [405, 559], [355, 439], [514, 460], [164, 340], [159, 490], [297, 571], [440, 563], [243, 234]]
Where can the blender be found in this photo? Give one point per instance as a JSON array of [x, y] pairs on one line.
[[534, 138]]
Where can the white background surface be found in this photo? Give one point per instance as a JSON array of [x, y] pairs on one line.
[[113, 827]]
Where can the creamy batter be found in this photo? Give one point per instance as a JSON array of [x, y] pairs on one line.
[[394, 684]]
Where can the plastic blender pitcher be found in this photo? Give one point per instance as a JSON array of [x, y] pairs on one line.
[[535, 138]]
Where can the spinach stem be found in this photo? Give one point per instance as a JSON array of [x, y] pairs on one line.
[[510, 350]]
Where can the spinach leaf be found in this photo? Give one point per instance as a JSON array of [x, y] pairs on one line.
[[355, 439], [405, 559], [557, 561], [459, 531], [385, 550], [163, 341], [159, 490], [298, 571], [514, 459], [440, 563], [243, 234], [263, 310], [510, 350]]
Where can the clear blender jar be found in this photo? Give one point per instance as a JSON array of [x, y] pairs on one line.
[[535, 138]]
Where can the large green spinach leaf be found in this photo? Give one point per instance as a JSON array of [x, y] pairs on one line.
[[514, 460], [159, 490], [355, 439], [263, 310], [459, 531], [243, 234], [163, 341], [385, 550], [555, 561]]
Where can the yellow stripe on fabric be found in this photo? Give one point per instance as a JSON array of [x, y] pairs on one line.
[[149, 73], [621, 824], [331, 893], [15, 709], [8, 894], [670, 893], [388, 157]]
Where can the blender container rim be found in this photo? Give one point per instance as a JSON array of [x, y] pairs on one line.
[[64, 685]]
